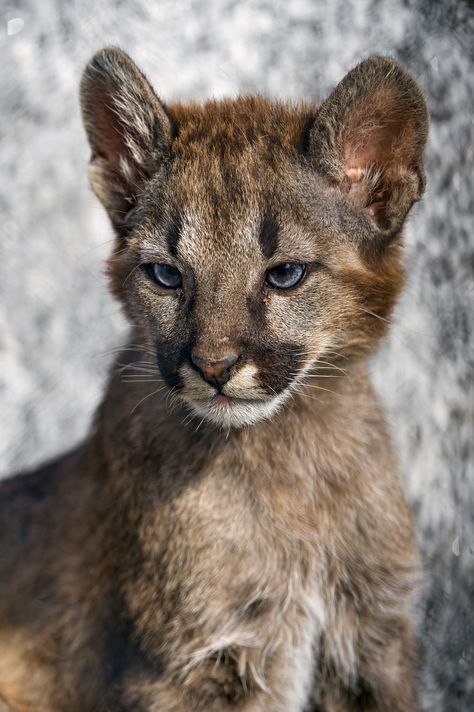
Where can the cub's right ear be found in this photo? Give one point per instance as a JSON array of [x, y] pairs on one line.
[[128, 129]]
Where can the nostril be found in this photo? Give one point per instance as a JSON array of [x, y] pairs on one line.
[[215, 371]]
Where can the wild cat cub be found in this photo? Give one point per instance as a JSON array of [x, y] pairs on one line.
[[250, 548]]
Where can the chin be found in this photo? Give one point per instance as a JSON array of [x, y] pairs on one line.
[[230, 412]]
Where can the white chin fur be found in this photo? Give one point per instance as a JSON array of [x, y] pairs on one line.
[[235, 414]]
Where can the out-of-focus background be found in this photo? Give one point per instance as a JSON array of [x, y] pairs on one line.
[[58, 325]]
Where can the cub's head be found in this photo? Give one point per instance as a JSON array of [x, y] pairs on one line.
[[257, 242]]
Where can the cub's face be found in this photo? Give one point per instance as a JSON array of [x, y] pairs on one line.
[[244, 282], [247, 266]]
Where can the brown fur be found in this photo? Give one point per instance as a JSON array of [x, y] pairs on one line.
[[257, 555]]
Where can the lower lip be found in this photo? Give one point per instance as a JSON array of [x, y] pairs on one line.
[[222, 401]]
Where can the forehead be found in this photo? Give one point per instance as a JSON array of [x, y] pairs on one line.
[[236, 186], [229, 126], [216, 204]]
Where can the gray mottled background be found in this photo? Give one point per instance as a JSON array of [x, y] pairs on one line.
[[58, 324]]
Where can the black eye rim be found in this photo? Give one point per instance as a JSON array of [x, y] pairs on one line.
[[268, 283], [150, 270]]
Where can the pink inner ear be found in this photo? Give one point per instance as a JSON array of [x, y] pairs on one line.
[[373, 155], [378, 136], [371, 149]]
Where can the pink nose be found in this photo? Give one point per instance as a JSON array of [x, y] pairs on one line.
[[217, 373]]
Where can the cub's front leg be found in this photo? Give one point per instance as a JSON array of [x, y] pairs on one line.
[[207, 694], [367, 658], [273, 677], [214, 688], [385, 680]]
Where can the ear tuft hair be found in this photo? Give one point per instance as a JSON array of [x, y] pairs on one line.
[[128, 129], [368, 138]]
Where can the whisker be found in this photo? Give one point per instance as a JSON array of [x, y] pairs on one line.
[[136, 366], [199, 424], [141, 369], [187, 419], [97, 247], [332, 365], [298, 374], [130, 274], [124, 374], [337, 354], [392, 322], [117, 254], [130, 347], [172, 399], [135, 378], [321, 388], [323, 375], [153, 393], [377, 316], [299, 391]]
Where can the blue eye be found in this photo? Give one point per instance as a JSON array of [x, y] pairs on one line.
[[166, 276], [285, 276]]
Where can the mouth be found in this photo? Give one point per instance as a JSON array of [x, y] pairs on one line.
[[235, 406], [235, 412], [220, 400]]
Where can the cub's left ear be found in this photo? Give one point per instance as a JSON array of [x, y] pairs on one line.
[[368, 138], [128, 129]]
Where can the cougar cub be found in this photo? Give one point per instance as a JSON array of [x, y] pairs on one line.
[[233, 534]]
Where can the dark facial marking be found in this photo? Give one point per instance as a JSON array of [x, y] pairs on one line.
[[268, 236], [276, 363], [173, 234], [170, 357]]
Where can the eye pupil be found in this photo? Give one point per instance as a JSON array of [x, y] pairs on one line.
[[165, 276], [285, 276]]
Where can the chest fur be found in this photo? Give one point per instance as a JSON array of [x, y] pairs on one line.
[[236, 578]]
